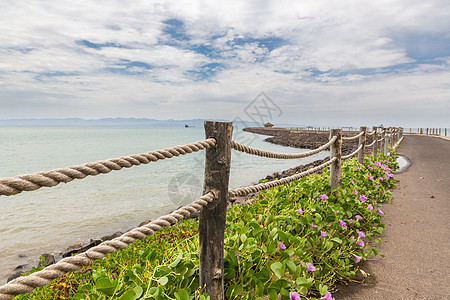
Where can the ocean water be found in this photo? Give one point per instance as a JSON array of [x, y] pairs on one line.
[[49, 220]]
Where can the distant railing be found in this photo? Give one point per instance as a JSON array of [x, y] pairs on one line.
[[218, 145], [428, 131]]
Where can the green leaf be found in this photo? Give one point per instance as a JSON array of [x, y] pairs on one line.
[[182, 295], [291, 266], [128, 295], [106, 286], [278, 268], [163, 280], [337, 240], [234, 291], [175, 263]]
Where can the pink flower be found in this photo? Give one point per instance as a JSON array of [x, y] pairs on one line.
[[323, 197], [310, 267], [323, 234], [300, 211], [361, 234], [342, 224], [370, 207], [351, 182], [294, 296], [370, 177], [360, 243], [371, 169], [362, 198], [335, 211], [355, 192], [327, 296], [380, 212], [357, 258], [350, 221], [358, 217], [282, 246], [313, 226]]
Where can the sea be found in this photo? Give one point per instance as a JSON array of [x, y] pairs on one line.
[[49, 220]]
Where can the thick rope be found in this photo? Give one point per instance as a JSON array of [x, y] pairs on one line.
[[269, 154], [371, 144], [23, 285], [31, 182], [352, 154], [244, 191], [345, 138], [371, 133], [380, 140]]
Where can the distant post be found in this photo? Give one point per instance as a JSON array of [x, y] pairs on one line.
[[386, 143], [362, 141], [211, 227], [375, 143], [336, 151]]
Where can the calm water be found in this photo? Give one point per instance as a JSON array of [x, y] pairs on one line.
[[49, 220]]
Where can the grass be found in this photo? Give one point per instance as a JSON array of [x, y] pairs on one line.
[[301, 237]]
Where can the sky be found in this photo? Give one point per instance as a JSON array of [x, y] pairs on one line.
[[324, 63]]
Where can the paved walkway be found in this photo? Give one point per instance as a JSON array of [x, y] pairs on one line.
[[416, 240]]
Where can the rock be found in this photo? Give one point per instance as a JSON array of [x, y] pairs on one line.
[[112, 236], [92, 243], [19, 271], [48, 260]]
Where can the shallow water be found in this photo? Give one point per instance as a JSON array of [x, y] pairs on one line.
[[49, 220]]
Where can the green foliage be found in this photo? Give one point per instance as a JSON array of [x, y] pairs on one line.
[[256, 265]]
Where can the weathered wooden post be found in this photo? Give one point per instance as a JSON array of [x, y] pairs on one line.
[[445, 131], [212, 219], [386, 143], [362, 141], [375, 143], [336, 151], [383, 134]]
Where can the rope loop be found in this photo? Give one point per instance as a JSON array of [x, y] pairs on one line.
[[345, 138], [353, 153]]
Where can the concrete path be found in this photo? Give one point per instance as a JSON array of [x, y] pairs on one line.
[[416, 240]]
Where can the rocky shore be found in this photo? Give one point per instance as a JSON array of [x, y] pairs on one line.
[[279, 136]]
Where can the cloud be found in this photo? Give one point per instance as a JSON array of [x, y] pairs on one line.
[[324, 62]]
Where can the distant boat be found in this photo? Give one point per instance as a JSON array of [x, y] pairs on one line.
[[186, 125]]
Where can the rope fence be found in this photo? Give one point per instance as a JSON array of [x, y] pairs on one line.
[[218, 146]]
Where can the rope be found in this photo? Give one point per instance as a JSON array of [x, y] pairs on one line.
[[243, 191], [264, 153], [380, 140], [353, 153], [31, 182], [23, 285], [371, 144], [344, 138], [371, 133]]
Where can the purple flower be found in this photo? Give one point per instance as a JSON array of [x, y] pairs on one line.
[[323, 234], [351, 182], [370, 207], [380, 212], [300, 211], [357, 258], [360, 243], [323, 197], [345, 191], [313, 226], [371, 169], [362, 198], [370, 177], [342, 224], [310, 267], [355, 192], [358, 217], [294, 296], [327, 296], [357, 169], [112, 276], [350, 221], [335, 211], [361, 234], [282, 246]]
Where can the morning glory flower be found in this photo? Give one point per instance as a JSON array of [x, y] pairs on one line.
[[294, 296], [362, 198], [358, 217], [323, 197], [370, 207], [361, 234], [323, 234], [371, 169], [310, 267], [370, 177], [350, 221], [327, 296], [335, 211], [380, 212], [351, 182], [282, 246], [313, 226], [355, 192], [357, 258], [300, 211], [342, 224], [360, 243]]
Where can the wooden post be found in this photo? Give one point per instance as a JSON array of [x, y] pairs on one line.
[[336, 151], [212, 219], [386, 143], [375, 145], [362, 141], [383, 134]]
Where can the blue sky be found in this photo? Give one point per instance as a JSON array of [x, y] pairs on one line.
[[324, 63]]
